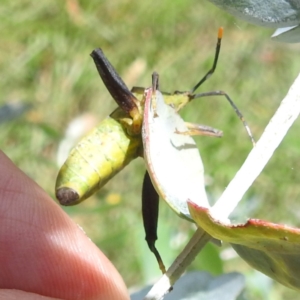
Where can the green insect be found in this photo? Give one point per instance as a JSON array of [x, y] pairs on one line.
[[117, 140]]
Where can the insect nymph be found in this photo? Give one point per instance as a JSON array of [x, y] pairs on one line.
[[117, 140]]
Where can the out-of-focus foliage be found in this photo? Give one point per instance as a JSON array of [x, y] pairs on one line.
[[201, 285], [44, 61], [269, 13]]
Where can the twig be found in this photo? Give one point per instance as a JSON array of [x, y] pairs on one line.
[[184, 259]]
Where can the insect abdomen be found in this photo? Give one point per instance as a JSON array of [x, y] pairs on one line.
[[98, 157]]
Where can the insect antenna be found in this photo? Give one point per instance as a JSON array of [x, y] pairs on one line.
[[211, 71], [220, 93]]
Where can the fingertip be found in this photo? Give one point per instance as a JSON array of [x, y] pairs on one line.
[[42, 251]]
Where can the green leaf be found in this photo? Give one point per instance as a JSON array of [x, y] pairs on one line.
[[273, 249]]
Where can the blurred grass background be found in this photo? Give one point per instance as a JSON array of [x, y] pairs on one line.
[[44, 62]]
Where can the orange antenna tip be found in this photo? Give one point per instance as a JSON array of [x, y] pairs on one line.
[[220, 33]]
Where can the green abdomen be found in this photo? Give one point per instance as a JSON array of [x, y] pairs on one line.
[[98, 157]]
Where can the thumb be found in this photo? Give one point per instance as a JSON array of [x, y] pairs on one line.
[[43, 251]]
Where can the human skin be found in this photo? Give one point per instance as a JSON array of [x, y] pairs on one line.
[[43, 253]]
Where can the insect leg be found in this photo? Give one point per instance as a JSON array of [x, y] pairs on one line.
[[150, 203], [155, 81], [198, 129], [238, 112], [155, 87], [118, 89]]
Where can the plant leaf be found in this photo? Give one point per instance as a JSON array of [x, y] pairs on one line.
[[287, 35], [173, 160], [268, 13], [271, 248]]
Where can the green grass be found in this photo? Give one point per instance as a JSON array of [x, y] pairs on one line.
[[44, 61]]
